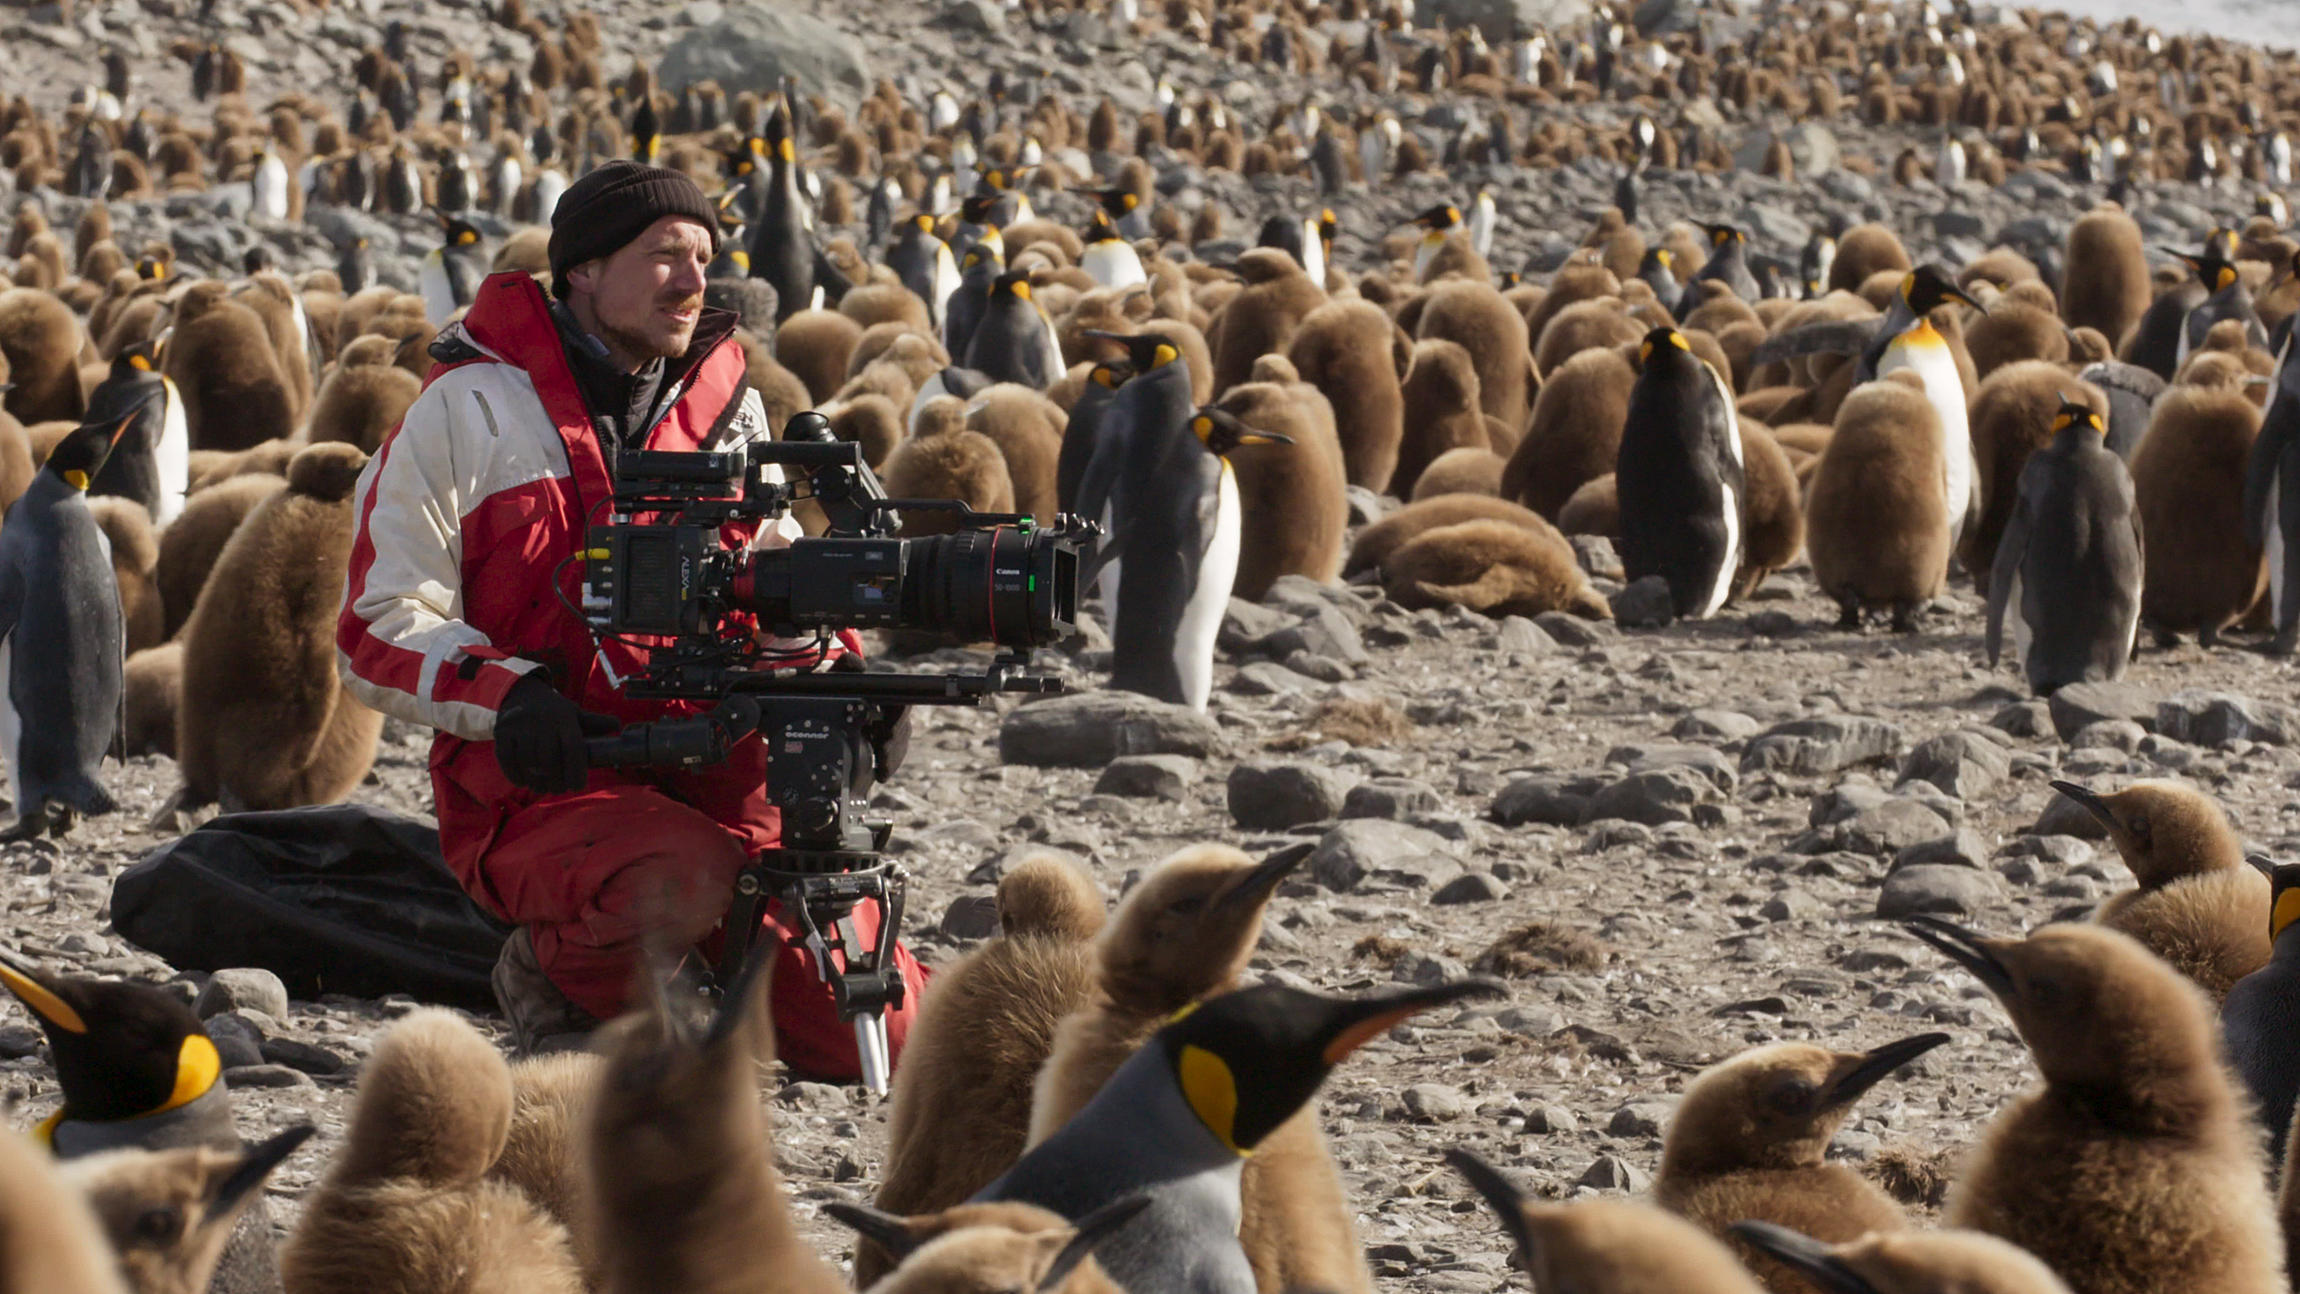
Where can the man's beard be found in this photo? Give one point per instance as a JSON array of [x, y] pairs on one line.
[[650, 349]]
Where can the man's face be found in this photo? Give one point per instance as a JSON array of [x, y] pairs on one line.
[[644, 299]]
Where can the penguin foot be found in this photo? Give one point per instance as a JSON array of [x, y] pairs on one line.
[[1849, 615], [2208, 637], [30, 825], [1904, 619]]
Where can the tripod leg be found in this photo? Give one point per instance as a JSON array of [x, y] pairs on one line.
[[871, 1048]]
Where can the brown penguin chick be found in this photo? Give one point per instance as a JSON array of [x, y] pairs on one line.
[[1293, 500], [1907, 1262], [1576, 432], [915, 355], [959, 1112], [1751, 1137], [1594, 509], [153, 679], [2197, 903], [192, 542], [871, 304], [1376, 542], [135, 563], [1442, 411], [363, 397], [1496, 568], [549, 1094], [2013, 331], [872, 421], [1617, 1246], [1573, 283], [42, 341], [406, 1204], [1472, 315], [1262, 317], [1184, 933], [215, 466], [2134, 1168], [2004, 268], [50, 1240], [2012, 417], [815, 345], [1004, 1245], [780, 390], [264, 722], [2104, 278], [1027, 428], [1876, 526], [958, 464], [1772, 510], [679, 1160], [1584, 326], [1358, 357], [2203, 573], [168, 1213], [274, 300], [527, 250], [1809, 438], [1456, 258], [221, 360], [1618, 245], [1462, 471]]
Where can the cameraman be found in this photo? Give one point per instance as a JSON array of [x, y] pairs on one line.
[[460, 614]]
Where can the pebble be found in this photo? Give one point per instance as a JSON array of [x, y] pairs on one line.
[[273, 1076], [1363, 848], [1820, 746], [971, 916], [1613, 1173], [1274, 796], [318, 1061], [1435, 1102], [1157, 777], [1470, 887]]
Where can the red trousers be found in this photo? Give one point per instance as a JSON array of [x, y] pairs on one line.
[[594, 873]]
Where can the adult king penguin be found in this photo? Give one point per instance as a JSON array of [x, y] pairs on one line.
[[1151, 406], [62, 640], [1679, 476], [1177, 1121], [2069, 564], [1109, 259], [1907, 339], [152, 462], [963, 309], [2256, 1018], [923, 262], [2272, 500], [2228, 299], [1729, 262], [1436, 223], [1015, 341], [782, 236], [451, 272]]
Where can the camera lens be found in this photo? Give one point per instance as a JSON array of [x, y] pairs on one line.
[[1005, 585]]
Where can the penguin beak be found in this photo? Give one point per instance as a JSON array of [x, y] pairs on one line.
[[41, 1000], [254, 1166], [1263, 880], [1966, 949], [1955, 293], [1359, 1022], [1805, 1254], [1873, 1067], [1501, 1195], [2090, 802]]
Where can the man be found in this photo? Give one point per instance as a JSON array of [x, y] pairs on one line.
[[460, 614]]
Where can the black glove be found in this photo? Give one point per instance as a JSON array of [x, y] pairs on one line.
[[889, 731], [539, 737]]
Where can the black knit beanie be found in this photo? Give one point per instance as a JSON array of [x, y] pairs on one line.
[[614, 203]]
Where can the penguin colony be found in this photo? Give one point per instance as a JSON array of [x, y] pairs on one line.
[[2100, 443]]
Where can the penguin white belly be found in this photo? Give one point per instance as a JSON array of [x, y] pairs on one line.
[[1481, 223], [271, 189], [549, 187], [1313, 253], [2023, 633], [1055, 367], [1426, 253], [1729, 563], [1946, 392], [816, 302], [438, 292], [946, 279], [1109, 578], [1113, 264], [174, 457], [1201, 619]]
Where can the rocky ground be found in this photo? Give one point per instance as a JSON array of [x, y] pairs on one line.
[[1689, 837]]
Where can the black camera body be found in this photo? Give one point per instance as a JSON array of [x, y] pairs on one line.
[[660, 577]]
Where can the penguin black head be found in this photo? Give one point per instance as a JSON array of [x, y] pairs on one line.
[[457, 232], [79, 456], [978, 208], [2283, 892], [1723, 235], [1661, 339], [923, 222], [1928, 287], [1119, 203], [2220, 243], [646, 132], [741, 160], [2213, 270], [1013, 283], [1439, 218], [1247, 1061], [1098, 227], [1144, 351], [121, 1050], [1223, 433], [2076, 413], [1329, 224], [981, 254], [138, 358]]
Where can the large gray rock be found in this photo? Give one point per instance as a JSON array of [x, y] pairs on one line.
[[1273, 797], [754, 48], [2080, 705], [1818, 746], [1937, 889], [1089, 729], [1367, 847], [1500, 20], [1153, 777], [1325, 631], [1655, 797], [1962, 764], [2216, 718], [1547, 798]]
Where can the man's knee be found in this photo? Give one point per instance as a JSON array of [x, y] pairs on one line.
[[614, 864]]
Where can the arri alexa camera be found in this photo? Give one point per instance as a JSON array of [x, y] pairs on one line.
[[659, 578]]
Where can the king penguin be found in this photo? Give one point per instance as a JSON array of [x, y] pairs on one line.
[[2256, 1018], [2069, 562], [1015, 341], [963, 309], [2227, 298], [1081, 436], [1109, 259], [451, 272], [1436, 223], [137, 1072], [1729, 262], [1679, 476], [1128, 209], [782, 236], [925, 265], [1152, 404], [1177, 1121], [62, 640], [1177, 525], [2272, 500], [1907, 339], [152, 461]]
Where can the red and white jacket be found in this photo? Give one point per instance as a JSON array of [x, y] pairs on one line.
[[461, 578]]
